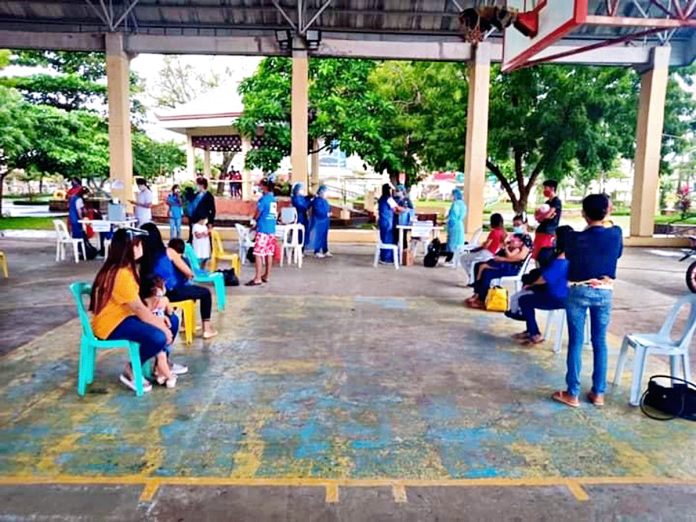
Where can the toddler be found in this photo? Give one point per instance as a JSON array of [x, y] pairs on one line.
[[201, 241]]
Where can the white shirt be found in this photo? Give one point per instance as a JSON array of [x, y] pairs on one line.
[[392, 204], [201, 245], [142, 214]]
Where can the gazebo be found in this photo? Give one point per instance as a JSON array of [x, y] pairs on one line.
[[208, 122]]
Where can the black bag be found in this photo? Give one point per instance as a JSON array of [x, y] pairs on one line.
[[250, 255], [90, 250], [230, 277], [531, 276], [435, 250], [678, 400]]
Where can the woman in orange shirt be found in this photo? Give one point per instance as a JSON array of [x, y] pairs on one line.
[[119, 314]]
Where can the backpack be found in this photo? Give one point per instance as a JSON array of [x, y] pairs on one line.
[[90, 250], [435, 250], [230, 277], [250, 255], [497, 299]]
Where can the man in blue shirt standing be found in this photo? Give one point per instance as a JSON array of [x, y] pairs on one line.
[[592, 256], [264, 246]]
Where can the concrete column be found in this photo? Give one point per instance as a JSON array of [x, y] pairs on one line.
[[190, 157], [120, 147], [206, 164], [246, 175], [314, 180], [299, 121], [477, 136], [651, 115]]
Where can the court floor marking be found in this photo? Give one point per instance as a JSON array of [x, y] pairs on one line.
[[151, 485]]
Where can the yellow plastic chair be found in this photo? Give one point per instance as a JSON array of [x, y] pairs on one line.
[[188, 308], [3, 263], [220, 254]]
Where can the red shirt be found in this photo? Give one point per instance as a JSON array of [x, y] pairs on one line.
[[495, 237]]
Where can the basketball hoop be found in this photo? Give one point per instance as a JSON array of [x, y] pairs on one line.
[[479, 22]]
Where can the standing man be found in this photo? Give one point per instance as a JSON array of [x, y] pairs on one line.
[[264, 246], [203, 206], [592, 258], [143, 205], [548, 222]]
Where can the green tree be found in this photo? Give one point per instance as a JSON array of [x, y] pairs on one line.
[[343, 109], [16, 132], [152, 159]]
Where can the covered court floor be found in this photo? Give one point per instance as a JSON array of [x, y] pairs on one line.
[[338, 392]]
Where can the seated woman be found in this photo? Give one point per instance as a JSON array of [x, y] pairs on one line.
[[488, 249], [318, 235], [506, 263], [168, 264], [119, 313], [548, 291]]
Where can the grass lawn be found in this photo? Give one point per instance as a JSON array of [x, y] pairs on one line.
[[24, 223]]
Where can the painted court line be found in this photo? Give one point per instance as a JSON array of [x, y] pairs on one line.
[[398, 487]]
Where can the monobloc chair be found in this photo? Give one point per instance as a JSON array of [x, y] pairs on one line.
[[63, 238], [203, 276], [219, 254], [420, 234], [516, 279], [468, 247], [660, 343], [188, 312], [3, 264], [244, 240], [379, 246], [557, 319], [89, 345], [288, 215], [292, 243]]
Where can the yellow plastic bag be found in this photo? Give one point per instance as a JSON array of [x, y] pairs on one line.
[[497, 299]]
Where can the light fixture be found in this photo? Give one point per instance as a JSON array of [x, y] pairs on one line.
[[313, 39], [284, 38]]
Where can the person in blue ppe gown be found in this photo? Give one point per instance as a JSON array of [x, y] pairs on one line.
[[302, 202], [388, 210], [455, 222], [318, 235]]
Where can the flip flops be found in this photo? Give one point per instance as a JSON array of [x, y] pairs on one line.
[[253, 283]]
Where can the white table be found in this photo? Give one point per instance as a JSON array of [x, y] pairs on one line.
[[104, 225], [432, 231]]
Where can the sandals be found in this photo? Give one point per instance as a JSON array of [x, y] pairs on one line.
[[596, 398], [565, 398], [209, 335], [522, 336], [531, 342], [128, 382], [476, 305], [265, 279], [253, 283]]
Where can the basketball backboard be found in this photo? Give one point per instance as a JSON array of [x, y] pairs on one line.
[[556, 18]]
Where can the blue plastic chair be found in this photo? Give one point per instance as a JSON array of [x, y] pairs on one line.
[[659, 343], [89, 345], [203, 276]]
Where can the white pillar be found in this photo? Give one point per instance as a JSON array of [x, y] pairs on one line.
[[315, 182], [190, 157], [120, 146], [206, 164], [299, 121], [246, 175], [477, 136], [651, 115]]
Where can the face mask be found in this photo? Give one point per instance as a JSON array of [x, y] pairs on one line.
[[518, 230], [160, 292]]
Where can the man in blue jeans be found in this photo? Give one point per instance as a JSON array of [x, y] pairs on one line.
[[592, 255]]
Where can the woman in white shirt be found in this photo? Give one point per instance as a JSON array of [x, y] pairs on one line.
[[143, 205]]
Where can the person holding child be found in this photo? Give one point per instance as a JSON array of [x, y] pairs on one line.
[[119, 312], [489, 248]]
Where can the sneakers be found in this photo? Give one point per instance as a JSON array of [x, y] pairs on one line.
[[178, 369], [319, 255], [328, 254], [163, 381]]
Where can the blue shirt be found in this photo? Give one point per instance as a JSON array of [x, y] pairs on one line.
[[175, 209], [165, 269], [593, 253], [556, 277], [268, 213]]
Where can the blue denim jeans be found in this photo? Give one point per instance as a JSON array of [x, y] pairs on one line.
[[598, 301], [174, 227], [150, 338], [537, 301]]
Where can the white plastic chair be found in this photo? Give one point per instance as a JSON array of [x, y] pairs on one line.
[[244, 241], [515, 279], [420, 234], [659, 343], [468, 247], [557, 319], [288, 215], [292, 245], [379, 246], [63, 238]]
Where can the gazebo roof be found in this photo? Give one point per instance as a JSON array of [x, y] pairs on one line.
[[219, 107]]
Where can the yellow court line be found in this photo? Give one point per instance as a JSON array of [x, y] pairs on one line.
[[399, 492], [331, 493], [149, 491], [577, 491]]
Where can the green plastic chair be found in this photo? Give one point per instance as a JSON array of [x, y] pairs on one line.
[[89, 345], [203, 276]]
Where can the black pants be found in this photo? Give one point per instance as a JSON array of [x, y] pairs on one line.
[[197, 293]]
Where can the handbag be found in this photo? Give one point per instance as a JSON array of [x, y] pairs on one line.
[[668, 402], [497, 299], [229, 277]]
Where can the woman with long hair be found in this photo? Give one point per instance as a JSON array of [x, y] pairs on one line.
[[165, 262], [119, 313]]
